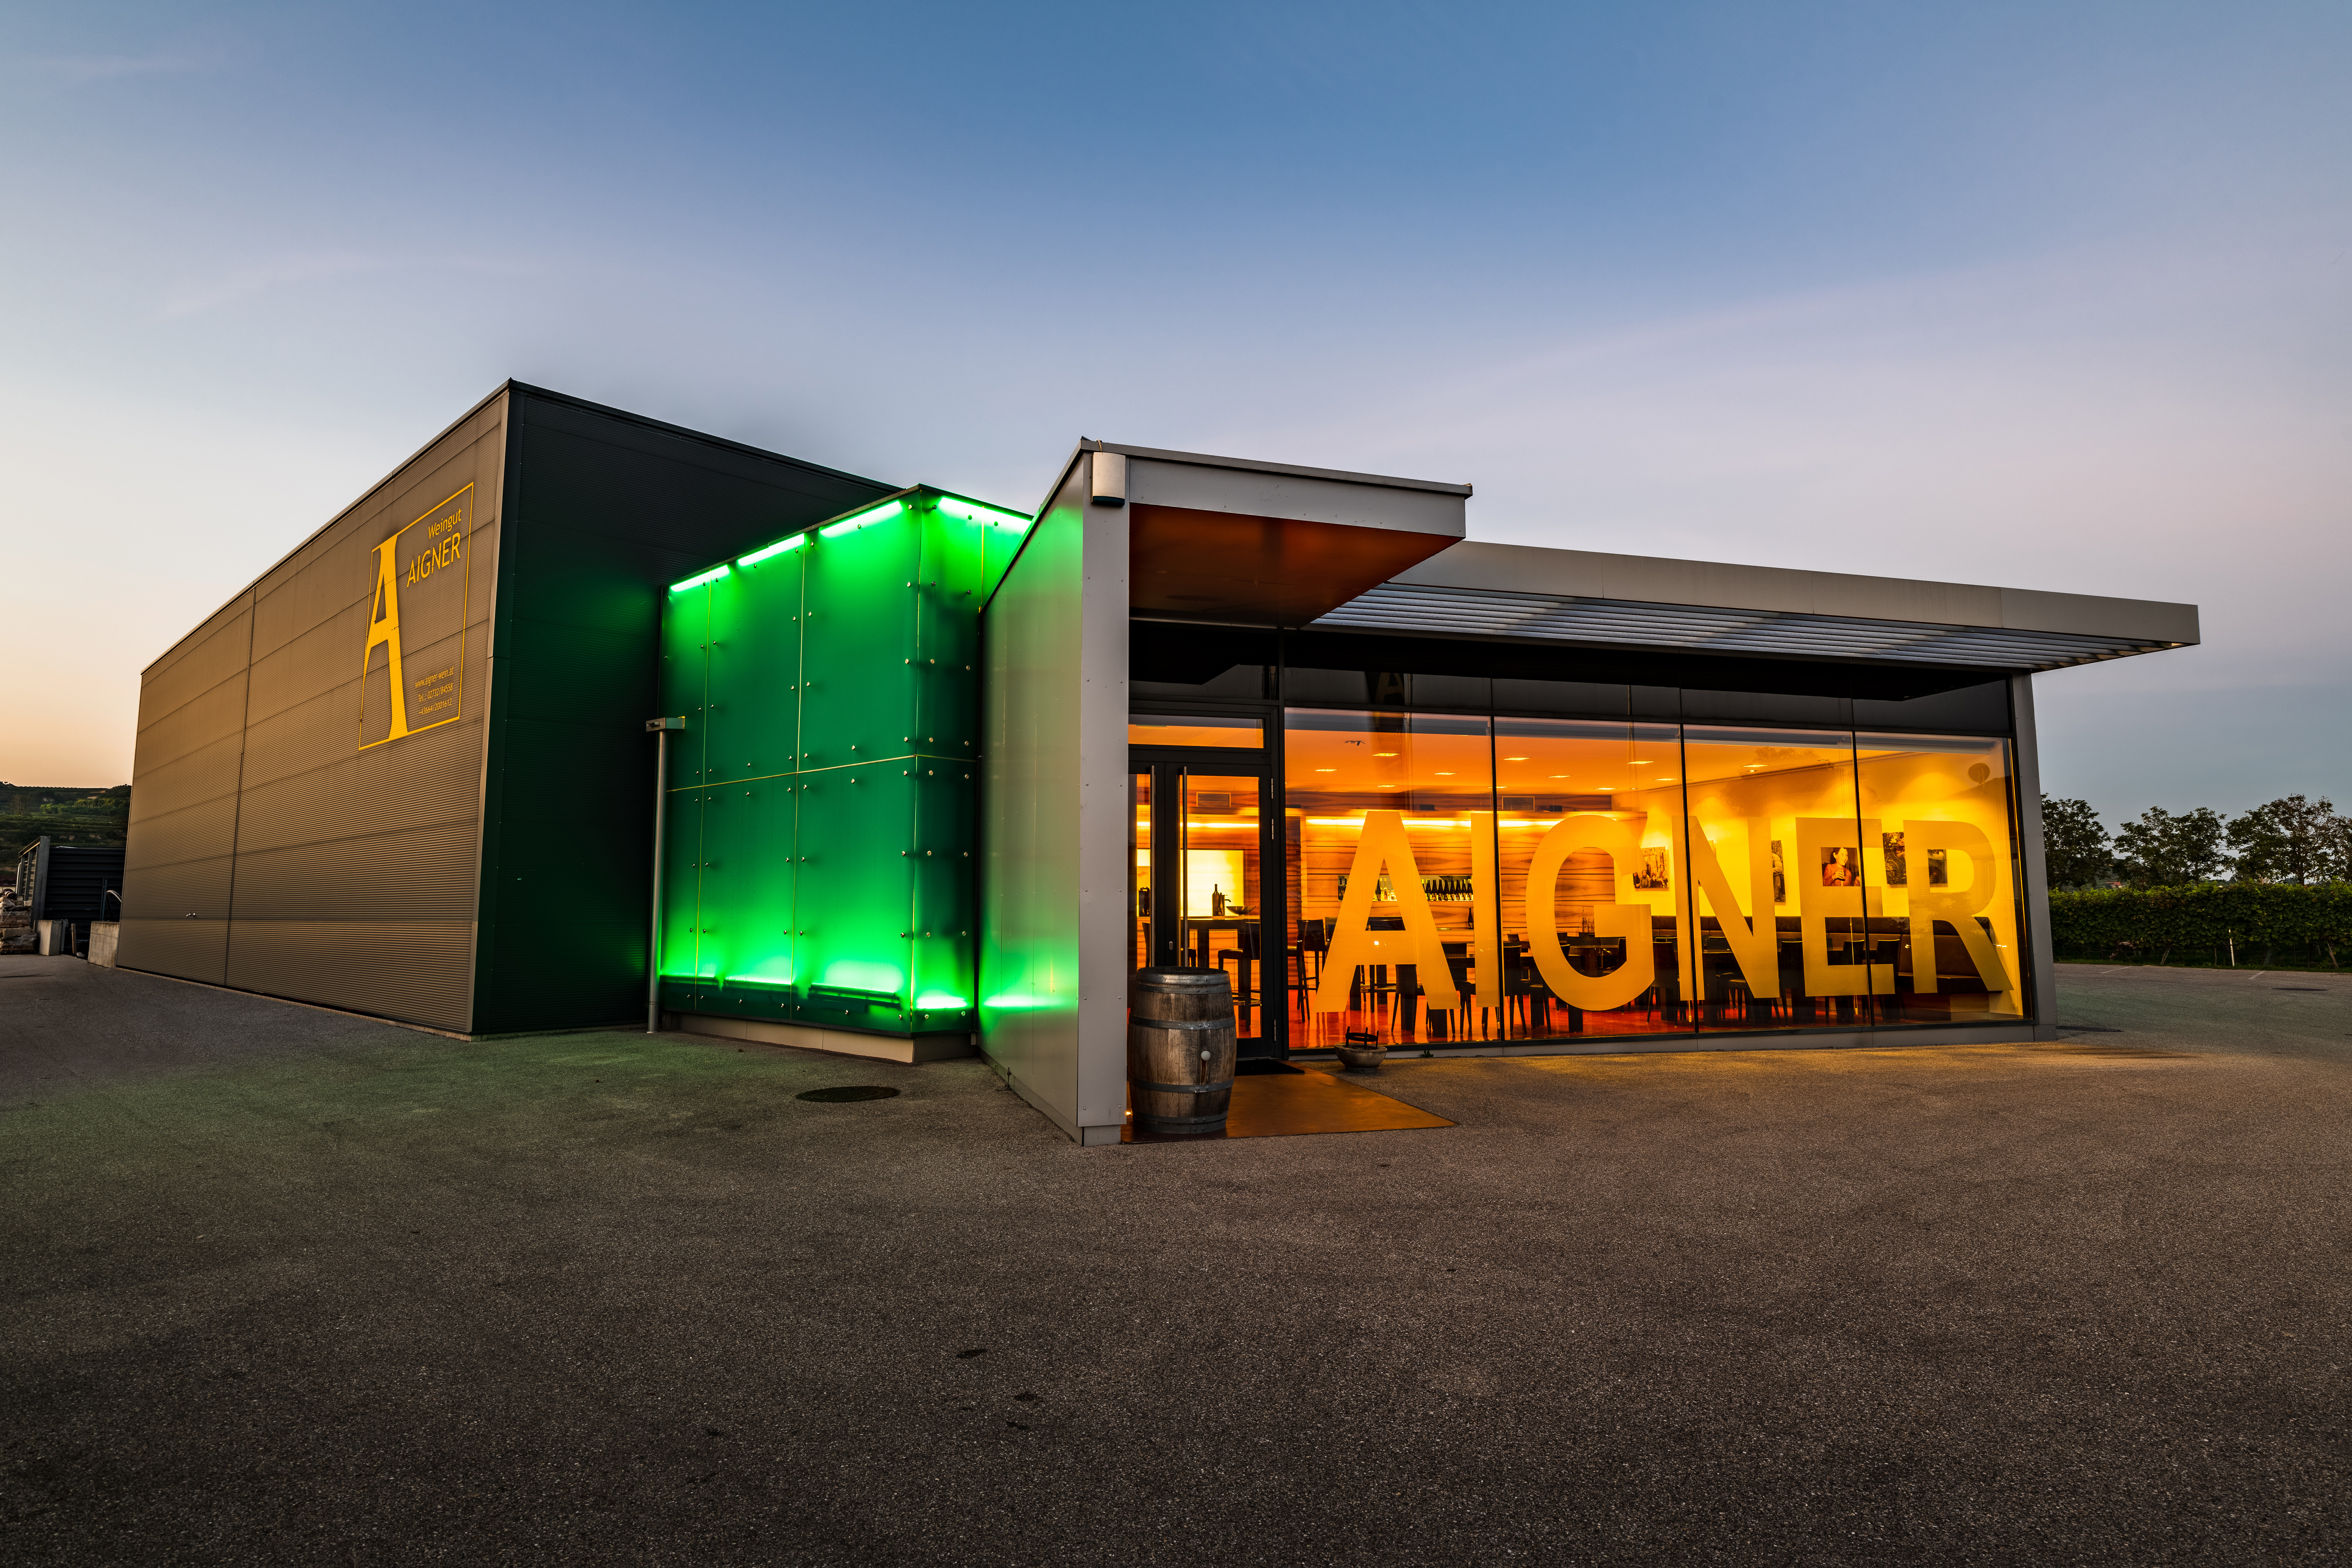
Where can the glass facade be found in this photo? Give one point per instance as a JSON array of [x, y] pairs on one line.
[[1452, 879]]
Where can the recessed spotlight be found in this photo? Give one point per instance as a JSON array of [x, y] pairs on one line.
[[1326, 770], [1515, 759], [1384, 754]]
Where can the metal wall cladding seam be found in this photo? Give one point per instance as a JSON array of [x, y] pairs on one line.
[[333, 574], [205, 776], [433, 780], [183, 799], [329, 579], [204, 720], [326, 726], [418, 971], [215, 652], [197, 887], [202, 832], [325, 658], [190, 950], [415, 874]]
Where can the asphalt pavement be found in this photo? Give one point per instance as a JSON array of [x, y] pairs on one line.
[[285, 1286]]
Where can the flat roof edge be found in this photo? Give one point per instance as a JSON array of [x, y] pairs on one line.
[[1250, 465], [1546, 570]]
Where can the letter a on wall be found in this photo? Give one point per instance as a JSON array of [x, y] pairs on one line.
[[384, 632], [1354, 943], [417, 607]]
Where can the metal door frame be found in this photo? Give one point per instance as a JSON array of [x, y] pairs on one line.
[[1165, 764]]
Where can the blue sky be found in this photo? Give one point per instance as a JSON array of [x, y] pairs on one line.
[[2052, 295]]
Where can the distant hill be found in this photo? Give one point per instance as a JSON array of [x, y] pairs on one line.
[[68, 813]]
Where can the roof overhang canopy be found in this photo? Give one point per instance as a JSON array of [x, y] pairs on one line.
[[1581, 597], [1224, 539]]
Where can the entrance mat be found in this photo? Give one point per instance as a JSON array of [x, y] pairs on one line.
[[1286, 1104]]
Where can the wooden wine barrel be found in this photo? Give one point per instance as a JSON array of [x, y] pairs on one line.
[[1180, 1050]]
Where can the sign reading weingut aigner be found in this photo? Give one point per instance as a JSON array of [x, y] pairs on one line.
[[413, 669]]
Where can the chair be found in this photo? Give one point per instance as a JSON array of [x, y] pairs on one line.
[[1247, 956], [1314, 941]]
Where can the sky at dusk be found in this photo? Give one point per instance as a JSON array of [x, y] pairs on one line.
[[2052, 295]]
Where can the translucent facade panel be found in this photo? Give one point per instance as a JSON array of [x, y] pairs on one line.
[[819, 861], [1389, 828]]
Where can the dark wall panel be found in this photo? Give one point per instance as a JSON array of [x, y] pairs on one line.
[[605, 510]]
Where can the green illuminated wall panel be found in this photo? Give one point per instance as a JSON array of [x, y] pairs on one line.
[[822, 809]]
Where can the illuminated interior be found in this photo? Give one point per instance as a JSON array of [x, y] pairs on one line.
[[1452, 879]]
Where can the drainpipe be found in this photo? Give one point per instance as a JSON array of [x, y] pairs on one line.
[[660, 728]]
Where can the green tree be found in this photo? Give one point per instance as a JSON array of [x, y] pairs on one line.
[[2164, 849], [2292, 839], [2074, 843]]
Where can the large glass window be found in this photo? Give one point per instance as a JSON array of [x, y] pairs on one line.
[[1452, 880], [1936, 812], [1775, 859], [1389, 818], [1585, 870]]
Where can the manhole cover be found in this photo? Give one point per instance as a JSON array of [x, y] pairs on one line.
[[847, 1092], [2320, 988]]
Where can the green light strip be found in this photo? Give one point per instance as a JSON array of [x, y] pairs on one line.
[[972, 511], [712, 575], [795, 542], [882, 513]]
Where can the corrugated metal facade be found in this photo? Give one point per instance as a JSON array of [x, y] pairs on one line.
[[465, 848], [282, 840]]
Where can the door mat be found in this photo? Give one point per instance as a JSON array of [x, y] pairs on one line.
[[1288, 1104]]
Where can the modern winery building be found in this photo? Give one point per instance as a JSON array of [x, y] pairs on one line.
[[941, 775]]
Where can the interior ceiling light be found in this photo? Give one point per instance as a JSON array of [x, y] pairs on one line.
[[1384, 754], [1515, 759]]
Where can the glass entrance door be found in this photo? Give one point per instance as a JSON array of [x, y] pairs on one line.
[[1199, 858]]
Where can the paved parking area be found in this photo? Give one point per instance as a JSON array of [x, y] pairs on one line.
[[288, 1287]]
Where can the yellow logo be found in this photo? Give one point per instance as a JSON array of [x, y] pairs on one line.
[[416, 614]]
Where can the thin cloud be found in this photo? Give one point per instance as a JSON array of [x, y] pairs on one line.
[[195, 295], [75, 71]]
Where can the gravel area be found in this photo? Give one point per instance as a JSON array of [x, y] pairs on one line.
[[284, 1285]]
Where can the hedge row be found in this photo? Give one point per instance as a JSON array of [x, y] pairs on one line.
[[2150, 922]]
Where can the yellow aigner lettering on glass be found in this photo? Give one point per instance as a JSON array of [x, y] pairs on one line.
[[442, 691]]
